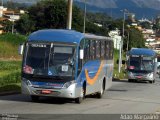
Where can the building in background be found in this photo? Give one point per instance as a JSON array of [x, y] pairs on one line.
[[9, 15], [115, 35]]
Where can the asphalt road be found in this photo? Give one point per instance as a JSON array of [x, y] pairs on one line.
[[122, 98]]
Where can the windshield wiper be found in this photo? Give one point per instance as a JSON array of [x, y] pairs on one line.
[[48, 76], [58, 77]]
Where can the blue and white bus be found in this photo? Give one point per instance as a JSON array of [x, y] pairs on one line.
[[141, 65], [66, 64]]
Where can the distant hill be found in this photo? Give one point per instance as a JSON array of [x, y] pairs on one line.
[[27, 2], [23, 1], [142, 8], [154, 4]]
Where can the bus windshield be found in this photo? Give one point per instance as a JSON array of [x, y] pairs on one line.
[[138, 64], [49, 60]]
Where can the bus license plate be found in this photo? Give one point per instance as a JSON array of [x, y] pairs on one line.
[[139, 77], [46, 92]]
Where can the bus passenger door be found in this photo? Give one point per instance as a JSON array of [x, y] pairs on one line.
[[80, 60]]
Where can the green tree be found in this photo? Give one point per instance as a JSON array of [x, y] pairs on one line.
[[94, 29], [25, 25], [136, 39], [77, 19], [7, 25], [100, 18], [49, 14], [146, 25], [116, 24], [156, 26], [53, 14]]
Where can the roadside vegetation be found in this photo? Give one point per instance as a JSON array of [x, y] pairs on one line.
[[10, 75], [10, 62], [116, 74], [9, 46]]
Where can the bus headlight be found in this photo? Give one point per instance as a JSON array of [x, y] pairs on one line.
[[28, 83], [150, 75], [67, 84], [130, 74]]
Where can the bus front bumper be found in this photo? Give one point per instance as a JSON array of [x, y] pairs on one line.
[[141, 77], [71, 92]]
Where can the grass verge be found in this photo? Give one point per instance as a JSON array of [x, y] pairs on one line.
[[10, 75], [116, 74], [11, 87], [9, 45]]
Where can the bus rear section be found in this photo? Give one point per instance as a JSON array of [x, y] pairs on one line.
[[141, 65]]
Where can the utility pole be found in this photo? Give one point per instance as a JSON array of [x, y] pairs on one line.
[[128, 42], [120, 56], [84, 26], [121, 43], [2, 3], [69, 20], [13, 22]]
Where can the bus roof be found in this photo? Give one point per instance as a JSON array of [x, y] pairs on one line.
[[91, 36], [142, 51], [61, 35]]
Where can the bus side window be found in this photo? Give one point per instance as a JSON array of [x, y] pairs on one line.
[[111, 50], [87, 50], [92, 50], [97, 46], [102, 49], [107, 49]]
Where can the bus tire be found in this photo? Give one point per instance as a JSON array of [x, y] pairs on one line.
[[153, 81], [79, 100], [82, 96], [34, 98], [100, 94]]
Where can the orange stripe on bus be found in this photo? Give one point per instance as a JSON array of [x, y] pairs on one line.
[[91, 81]]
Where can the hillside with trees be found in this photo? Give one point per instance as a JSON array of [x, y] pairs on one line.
[[53, 14]]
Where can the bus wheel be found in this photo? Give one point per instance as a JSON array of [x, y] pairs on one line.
[[80, 99], [34, 98], [100, 94], [130, 80], [153, 81]]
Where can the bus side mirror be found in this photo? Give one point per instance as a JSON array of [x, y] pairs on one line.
[[122, 62], [20, 49], [156, 60], [81, 54], [117, 61]]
